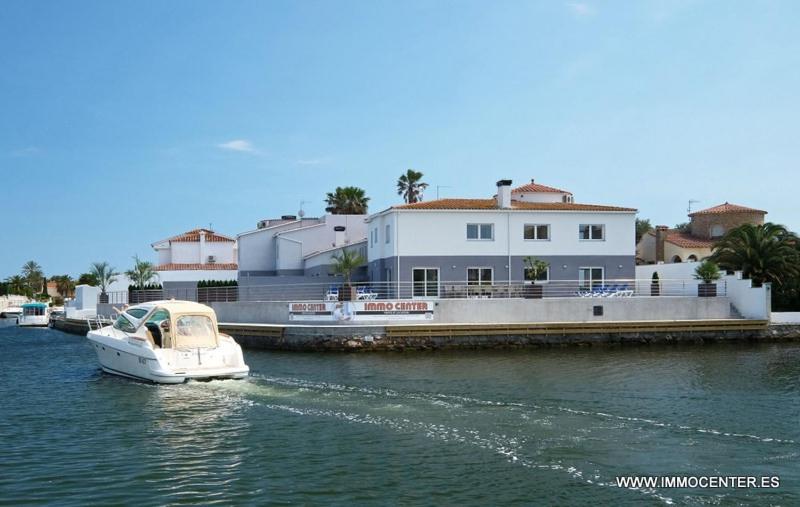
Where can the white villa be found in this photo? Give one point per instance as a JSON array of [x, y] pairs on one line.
[[199, 254], [483, 241], [291, 249]]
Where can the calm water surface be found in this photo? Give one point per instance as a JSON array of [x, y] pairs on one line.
[[540, 427]]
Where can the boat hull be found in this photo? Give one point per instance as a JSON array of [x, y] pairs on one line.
[[130, 357], [33, 320]]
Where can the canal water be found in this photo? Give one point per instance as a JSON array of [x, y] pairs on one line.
[[551, 426]]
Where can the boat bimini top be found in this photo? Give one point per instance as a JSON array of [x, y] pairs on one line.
[[171, 324], [34, 309]]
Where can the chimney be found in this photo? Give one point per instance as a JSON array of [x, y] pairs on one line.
[[503, 194], [202, 246], [661, 236], [339, 236]]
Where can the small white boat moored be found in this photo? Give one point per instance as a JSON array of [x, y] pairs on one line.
[[168, 342], [11, 312], [34, 315]]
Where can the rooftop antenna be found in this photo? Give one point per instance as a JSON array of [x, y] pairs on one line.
[[691, 201], [441, 186], [302, 213]]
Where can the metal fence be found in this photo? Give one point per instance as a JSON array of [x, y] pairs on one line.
[[430, 290]]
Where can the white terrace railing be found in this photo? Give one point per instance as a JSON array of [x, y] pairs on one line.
[[362, 291]]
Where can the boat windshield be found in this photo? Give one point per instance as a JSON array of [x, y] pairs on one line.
[[194, 331], [123, 324]]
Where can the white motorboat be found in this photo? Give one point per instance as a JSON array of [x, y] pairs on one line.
[[34, 315], [10, 312], [168, 342]]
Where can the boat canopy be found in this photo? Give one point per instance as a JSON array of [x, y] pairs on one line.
[[191, 325], [34, 305]]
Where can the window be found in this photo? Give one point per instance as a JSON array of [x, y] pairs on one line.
[[194, 331], [527, 275], [589, 278], [717, 231], [479, 276], [124, 324], [536, 231], [480, 231], [136, 313], [426, 282], [159, 315], [591, 231], [388, 230], [374, 236]]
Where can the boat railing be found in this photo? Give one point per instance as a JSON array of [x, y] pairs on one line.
[[98, 321]]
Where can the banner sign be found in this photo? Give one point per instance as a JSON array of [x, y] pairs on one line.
[[362, 311]]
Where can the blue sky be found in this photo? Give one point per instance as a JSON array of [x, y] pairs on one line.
[[122, 123]]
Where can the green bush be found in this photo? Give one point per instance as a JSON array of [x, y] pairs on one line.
[[202, 284], [149, 286], [708, 272]]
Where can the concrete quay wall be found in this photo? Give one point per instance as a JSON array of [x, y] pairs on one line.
[[489, 311], [503, 336]]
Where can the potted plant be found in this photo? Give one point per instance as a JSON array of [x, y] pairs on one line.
[[105, 276], [344, 264], [655, 286], [535, 269], [709, 273]]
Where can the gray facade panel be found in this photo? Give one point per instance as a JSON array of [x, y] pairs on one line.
[[454, 268]]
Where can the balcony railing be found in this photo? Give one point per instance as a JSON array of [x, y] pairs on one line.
[[333, 291]]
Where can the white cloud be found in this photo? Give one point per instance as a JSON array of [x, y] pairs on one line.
[[580, 8], [238, 145]]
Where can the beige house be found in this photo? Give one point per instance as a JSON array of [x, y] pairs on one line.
[[696, 242]]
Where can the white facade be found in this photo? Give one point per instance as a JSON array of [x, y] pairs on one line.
[[12, 300], [199, 246], [454, 236], [290, 247], [199, 254]]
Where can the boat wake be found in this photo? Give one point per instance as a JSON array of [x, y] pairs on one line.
[[347, 403], [455, 401]]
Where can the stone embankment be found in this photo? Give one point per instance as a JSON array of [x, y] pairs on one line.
[[511, 336]]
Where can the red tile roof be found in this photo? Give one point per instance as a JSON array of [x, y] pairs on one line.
[[231, 266], [489, 204], [194, 236], [686, 240], [726, 208], [536, 187]]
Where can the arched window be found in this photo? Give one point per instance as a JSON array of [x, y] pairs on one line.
[[676, 258], [691, 258]]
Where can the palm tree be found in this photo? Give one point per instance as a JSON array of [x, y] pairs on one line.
[[104, 274], [410, 186], [642, 227], [34, 277], [88, 279], [346, 262], [347, 201], [764, 253], [142, 273], [65, 285], [16, 285]]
